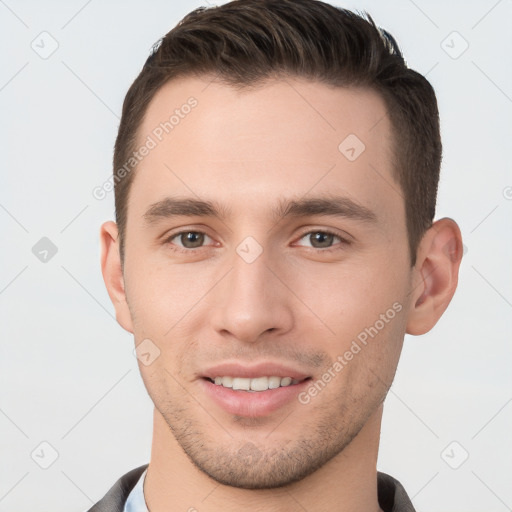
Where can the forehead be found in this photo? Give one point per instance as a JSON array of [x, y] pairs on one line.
[[211, 140]]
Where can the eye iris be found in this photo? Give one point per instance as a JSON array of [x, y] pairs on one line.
[[193, 239], [325, 239], [196, 239]]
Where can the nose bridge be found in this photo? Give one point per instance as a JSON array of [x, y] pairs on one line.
[[250, 277]]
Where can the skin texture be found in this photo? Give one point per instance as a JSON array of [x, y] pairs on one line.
[[294, 304]]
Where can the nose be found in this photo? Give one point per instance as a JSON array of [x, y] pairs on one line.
[[252, 300]]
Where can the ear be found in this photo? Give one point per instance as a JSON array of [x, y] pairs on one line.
[[113, 274], [435, 275]]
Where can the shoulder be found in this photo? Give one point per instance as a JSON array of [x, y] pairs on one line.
[[116, 497], [392, 495]]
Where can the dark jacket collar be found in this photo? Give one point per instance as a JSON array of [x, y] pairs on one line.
[[392, 496], [116, 497]]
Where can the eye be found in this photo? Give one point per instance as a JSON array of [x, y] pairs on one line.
[[322, 240], [187, 240]]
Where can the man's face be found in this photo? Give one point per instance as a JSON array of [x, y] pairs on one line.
[[270, 294]]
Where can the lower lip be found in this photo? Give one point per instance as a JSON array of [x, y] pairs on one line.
[[252, 404]]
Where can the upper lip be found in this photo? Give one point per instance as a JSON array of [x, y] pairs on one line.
[[263, 369]]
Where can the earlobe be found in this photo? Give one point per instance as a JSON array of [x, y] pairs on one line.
[[113, 274], [435, 275]]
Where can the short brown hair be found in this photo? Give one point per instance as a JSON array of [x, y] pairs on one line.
[[244, 42]]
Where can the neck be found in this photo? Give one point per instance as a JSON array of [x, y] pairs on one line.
[[348, 480]]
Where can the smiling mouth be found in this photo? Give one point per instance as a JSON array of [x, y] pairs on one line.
[[254, 385]]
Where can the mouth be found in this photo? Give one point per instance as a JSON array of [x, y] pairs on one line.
[[255, 397], [255, 384]]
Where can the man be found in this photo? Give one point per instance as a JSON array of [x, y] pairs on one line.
[[275, 174]]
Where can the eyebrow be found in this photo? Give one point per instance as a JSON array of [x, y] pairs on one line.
[[335, 206]]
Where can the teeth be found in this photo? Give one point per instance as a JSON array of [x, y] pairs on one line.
[[274, 382], [256, 384], [227, 382], [239, 383]]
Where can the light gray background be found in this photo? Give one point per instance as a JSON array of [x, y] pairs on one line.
[[69, 377]]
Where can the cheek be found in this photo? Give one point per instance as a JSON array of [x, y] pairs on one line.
[[365, 362], [353, 298], [157, 295], [163, 368], [162, 302], [366, 310]]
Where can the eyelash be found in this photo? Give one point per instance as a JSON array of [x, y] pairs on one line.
[[343, 241]]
